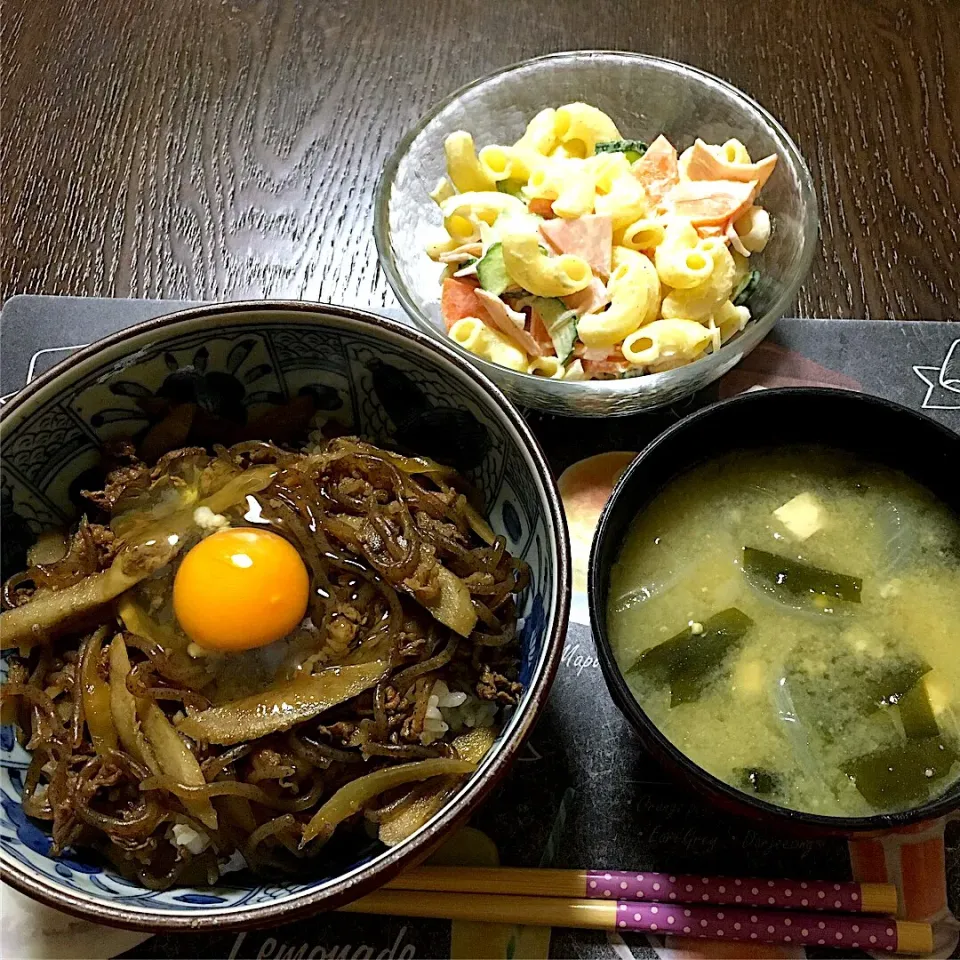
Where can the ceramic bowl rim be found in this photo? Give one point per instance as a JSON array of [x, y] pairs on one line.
[[609, 388], [373, 873], [648, 732]]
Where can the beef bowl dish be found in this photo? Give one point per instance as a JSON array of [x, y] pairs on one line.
[[284, 588]]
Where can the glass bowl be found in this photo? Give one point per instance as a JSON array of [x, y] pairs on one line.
[[645, 96]]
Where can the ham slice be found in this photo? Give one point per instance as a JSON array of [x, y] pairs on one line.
[[591, 368], [459, 300], [599, 354], [589, 237], [657, 170], [597, 360], [710, 202], [588, 300], [704, 164], [713, 230], [509, 322], [539, 332]]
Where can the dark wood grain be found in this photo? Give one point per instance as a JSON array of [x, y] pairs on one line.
[[228, 148]]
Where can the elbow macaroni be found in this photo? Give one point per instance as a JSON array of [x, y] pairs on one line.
[[494, 160], [698, 302], [551, 177], [666, 341], [549, 367], [730, 320], [681, 261], [574, 150], [575, 182], [646, 255], [606, 169], [484, 205], [577, 124], [625, 203], [474, 335], [634, 290], [753, 228], [463, 167], [463, 212], [540, 135], [576, 198], [508, 163], [577, 187], [442, 191], [733, 151], [529, 266], [644, 234]]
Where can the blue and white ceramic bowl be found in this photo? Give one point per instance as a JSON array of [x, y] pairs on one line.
[[390, 384]]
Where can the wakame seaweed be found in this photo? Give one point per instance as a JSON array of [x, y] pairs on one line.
[[689, 661], [916, 713], [759, 781], [900, 776], [835, 686], [777, 574]]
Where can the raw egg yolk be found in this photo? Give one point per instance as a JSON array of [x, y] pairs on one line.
[[240, 588]]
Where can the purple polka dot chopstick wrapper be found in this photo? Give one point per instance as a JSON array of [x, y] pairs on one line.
[[767, 926], [775, 894]]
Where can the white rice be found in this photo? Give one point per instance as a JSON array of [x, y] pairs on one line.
[[234, 863], [208, 521], [454, 710], [185, 836]]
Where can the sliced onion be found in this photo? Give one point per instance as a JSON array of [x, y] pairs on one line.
[[349, 799]]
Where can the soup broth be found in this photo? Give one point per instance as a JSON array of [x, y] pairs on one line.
[[791, 622]]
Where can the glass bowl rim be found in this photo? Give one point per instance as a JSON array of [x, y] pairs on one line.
[[610, 388]]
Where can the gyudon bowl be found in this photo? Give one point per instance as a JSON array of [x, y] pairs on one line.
[[294, 374]]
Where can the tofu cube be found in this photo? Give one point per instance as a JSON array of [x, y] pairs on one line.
[[938, 696], [748, 677], [802, 516]]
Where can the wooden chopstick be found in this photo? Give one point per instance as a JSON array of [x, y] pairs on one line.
[[692, 920], [845, 897]]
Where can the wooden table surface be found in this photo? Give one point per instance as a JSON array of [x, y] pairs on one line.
[[230, 148]]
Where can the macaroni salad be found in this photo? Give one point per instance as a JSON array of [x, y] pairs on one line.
[[576, 254]]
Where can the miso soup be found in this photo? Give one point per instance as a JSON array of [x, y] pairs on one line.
[[791, 622]]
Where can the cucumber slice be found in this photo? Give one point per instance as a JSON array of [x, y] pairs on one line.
[[560, 323], [513, 187], [491, 271], [745, 288], [634, 149]]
